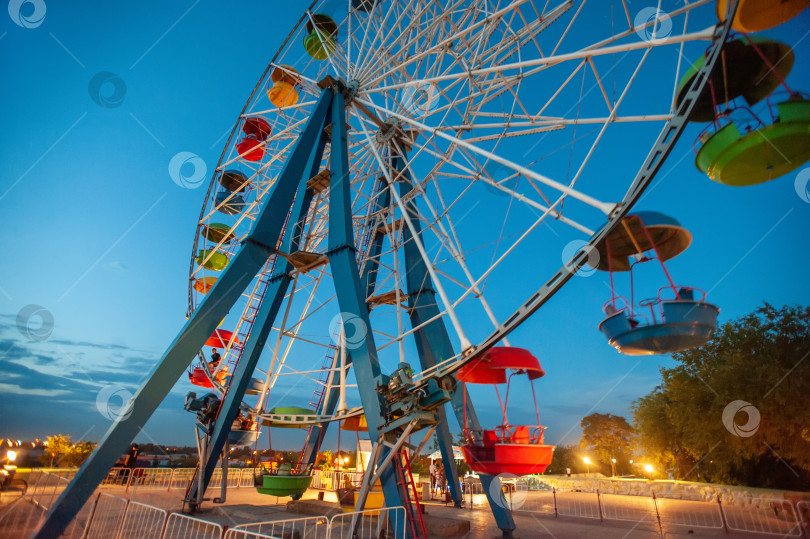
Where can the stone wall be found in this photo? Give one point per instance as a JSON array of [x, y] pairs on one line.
[[680, 490]]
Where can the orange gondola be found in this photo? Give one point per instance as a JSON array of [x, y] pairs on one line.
[[220, 339]]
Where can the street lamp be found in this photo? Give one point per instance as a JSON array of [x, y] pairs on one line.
[[11, 456], [613, 466], [649, 469], [587, 462]]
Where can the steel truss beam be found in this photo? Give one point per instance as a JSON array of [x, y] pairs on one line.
[[268, 310], [368, 283], [351, 296], [434, 346], [242, 269]]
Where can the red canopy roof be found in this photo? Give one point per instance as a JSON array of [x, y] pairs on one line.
[[491, 367], [220, 338], [258, 127]]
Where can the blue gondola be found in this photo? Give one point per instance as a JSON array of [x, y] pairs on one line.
[[678, 318], [244, 431], [235, 203], [239, 437]]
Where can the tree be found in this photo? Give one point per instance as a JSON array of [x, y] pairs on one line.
[[324, 460], [606, 437], [81, 450], [755, 365], [565, 456], [63, 452], [452, 441]]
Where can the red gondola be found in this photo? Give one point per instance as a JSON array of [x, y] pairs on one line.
[[515, 449], [257, 127], [250, 149], [198, 377]]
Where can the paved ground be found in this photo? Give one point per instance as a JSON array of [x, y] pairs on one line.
[[579, 514], [534, 519]]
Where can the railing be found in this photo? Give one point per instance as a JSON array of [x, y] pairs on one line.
[[142, 521], [768, 516], [105, 515], [387, 522], [185, 527], [333, 480], [311, 528]]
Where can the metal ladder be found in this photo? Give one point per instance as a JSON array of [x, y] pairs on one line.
[[413, 509]]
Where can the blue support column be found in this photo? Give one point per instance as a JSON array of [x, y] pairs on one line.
[[419, 290], [368, 283], [268, 310], [434, 346], [232, 282], [351, 294]]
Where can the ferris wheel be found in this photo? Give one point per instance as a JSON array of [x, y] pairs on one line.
[[481, 143], [407, 183]]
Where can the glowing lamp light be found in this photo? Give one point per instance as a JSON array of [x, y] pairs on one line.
[[648, 468], [586, 460], [12, 456]]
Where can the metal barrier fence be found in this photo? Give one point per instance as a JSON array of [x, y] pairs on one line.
[[234, 478], [760, 516], [151, 478], [309, 528], [764, 516], [105, 515], [333, 480], [185, 527], [689, 513], [180, 478], [142, 521], [388, 522], [803, 514]]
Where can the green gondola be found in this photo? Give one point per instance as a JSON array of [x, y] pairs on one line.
[[320, 41], [283, 484], [288, 413], [731, 158], [216, 262], [218, 232]]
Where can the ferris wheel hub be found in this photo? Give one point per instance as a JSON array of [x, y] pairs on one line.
[[352, 87]]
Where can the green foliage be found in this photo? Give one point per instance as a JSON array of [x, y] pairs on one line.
[[606, 437], [760, 358], [324, 460], [462, 468], [565, 456], [64, 453], [420, 465], [454, 440]]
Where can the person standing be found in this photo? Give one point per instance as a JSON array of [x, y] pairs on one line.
[[432, 477], [131, 461]]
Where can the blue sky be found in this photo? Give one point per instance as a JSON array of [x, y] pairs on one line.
[[99, 234]]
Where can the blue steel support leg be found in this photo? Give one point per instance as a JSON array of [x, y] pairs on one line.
[[351, 294], [434, 346], [416, 285], [368, 283], [232, 282], [266, 315]]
